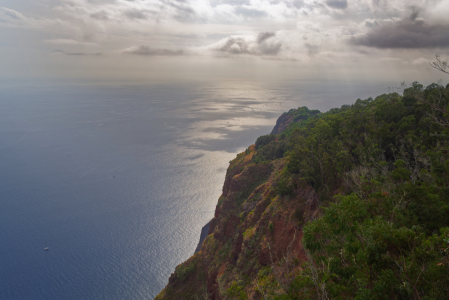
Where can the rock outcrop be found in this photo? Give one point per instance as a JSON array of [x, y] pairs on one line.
[[282, 123], [203, 235]]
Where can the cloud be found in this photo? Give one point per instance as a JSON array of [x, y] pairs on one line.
[[62, 52], [311, 49], [420, 60], [327, 31], [390, 59], [337, 4], [135, 14], [69, 42], [409, 33], [307, 26], [250, 12], [260, 44], [147, 51], [298, 3], [261, 37], [101, 16], [183, 12], [12, 18]]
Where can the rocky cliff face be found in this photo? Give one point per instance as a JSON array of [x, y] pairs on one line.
[[282, 123], [254, 243]]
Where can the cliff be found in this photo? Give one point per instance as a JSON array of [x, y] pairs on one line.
[[254, 228], [352, 203]]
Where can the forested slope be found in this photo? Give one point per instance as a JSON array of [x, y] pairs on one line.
[[348, 204]]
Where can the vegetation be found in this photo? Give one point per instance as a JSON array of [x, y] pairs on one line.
[[182, 271], [348, 204], [381, 169]]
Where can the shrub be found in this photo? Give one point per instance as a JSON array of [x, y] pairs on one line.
[[183, 271], [264, 140]]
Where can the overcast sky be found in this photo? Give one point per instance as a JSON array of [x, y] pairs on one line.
[[175, 39]]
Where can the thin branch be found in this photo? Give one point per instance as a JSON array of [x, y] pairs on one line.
[[440, 65]]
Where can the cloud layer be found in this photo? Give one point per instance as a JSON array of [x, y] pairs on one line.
[[263, 43], [62, 52], [147, 51], [409, 33], [310, 32]]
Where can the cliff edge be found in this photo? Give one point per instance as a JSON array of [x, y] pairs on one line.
[[255, 228]]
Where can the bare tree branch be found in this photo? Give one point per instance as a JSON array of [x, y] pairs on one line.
[[440, 65]]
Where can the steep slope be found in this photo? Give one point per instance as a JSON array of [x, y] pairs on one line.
[[352, 203], [253, 228]]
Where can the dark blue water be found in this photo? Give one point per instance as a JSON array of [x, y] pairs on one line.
[[118, 180]]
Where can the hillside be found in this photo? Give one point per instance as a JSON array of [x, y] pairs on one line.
[[351, 203]]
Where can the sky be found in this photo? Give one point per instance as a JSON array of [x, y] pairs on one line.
[[210, 39]]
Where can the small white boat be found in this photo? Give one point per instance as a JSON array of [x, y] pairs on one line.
[[47, 248]]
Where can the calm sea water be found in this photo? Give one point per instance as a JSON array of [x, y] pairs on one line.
[[118, 180]]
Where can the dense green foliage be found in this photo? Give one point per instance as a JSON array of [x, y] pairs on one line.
[[302, 114], [381, 170], [270, 146], [264, 140]]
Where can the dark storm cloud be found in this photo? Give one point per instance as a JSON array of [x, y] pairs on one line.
[[147, 51], [338, 4], [76, 53], [410, 33]]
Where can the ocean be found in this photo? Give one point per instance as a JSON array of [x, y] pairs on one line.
[[117, 180]]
